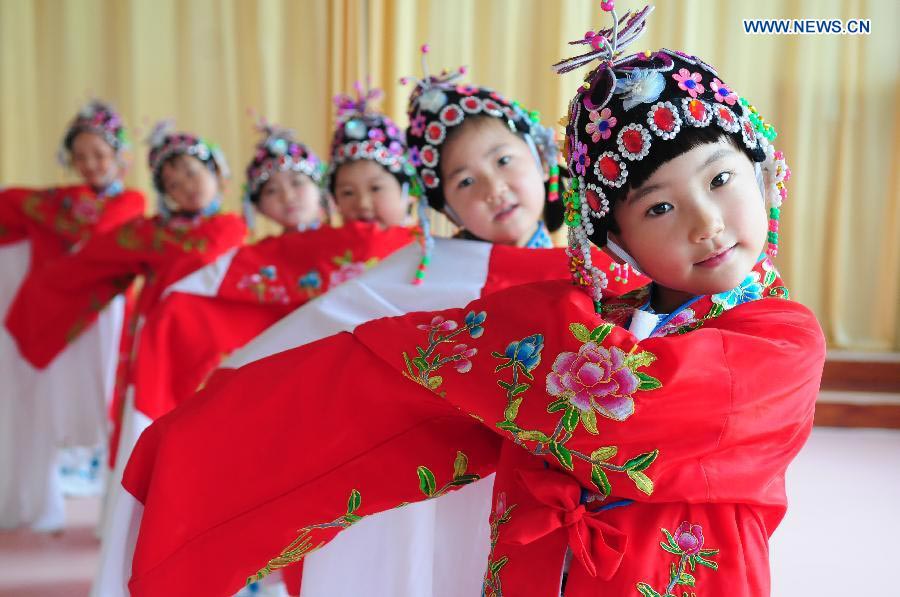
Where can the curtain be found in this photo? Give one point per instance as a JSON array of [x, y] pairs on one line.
[[208, 63]]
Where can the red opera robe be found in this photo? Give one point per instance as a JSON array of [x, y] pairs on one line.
[[688, 433], [460, 272], [65, 403]]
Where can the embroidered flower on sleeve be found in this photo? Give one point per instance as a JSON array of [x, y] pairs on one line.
[[462, 356], [723, 93], [475, 323], [601, 124], [595, 378], [748, 290], [690, 82], [438, 324]]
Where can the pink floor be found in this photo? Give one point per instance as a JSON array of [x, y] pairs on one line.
[[52, 565]]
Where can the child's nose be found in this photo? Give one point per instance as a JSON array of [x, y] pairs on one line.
[[708, 223], [497, 190]]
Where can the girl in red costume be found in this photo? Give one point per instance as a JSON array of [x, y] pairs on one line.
[[65, 404]]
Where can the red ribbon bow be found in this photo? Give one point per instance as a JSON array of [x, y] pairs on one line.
[[596, 544]]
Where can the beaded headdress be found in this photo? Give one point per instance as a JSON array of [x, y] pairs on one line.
[[440, 103], [165, 142], [99, 118], [363, 134], [626, 107], [279, 151]]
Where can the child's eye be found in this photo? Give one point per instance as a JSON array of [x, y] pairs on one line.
[[660, 209], [504, 160], [720, 179], [465, 182], [376, 188]]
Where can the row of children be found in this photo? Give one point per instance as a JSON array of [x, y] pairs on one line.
[[675, 406]]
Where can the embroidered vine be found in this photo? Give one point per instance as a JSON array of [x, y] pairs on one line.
[[492, 586], [595, 380], [687, 545], [429, 359], [304, 544]]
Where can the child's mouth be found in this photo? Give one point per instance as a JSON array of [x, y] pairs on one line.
[[506, 212], [717, 258]]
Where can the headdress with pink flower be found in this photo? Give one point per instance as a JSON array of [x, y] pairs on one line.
[[628, 107], [99, 118]]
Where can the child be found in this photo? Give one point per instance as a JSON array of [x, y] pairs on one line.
[[36, 228], [284, 182], [459, 271], [370, 171]]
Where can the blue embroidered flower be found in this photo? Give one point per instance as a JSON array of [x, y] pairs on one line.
[[640, 86], [748, 290], [268, 271], [475, 321], [526, 351], [312, 281]]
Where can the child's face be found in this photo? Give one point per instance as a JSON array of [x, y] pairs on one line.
[[364, 191], [697, 225], [189, 183], [493, 183], [94, 160], [291, 199]]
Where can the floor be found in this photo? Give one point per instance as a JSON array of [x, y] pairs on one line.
[[836, 540]]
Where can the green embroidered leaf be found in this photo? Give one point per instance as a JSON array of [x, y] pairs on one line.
[[601, 332], [557, 405], [646, 590], [508, 426], [779, 291], [512, 410], [503, 366], [496, 354], [600, 480], [435, 382], [562, 454], [641, 461], [533, 436], [686, 579], [707, 563], [570, 419], [506, 515], [708, 552], [589, 420], [524, 370], [420, 363], [506, 386], [641, 481], [604, 453], [669, 548], [639, 359], [354, 502], [460, 465], [648, 382], [420, 351], [692, 562], [580, 331], [464, 480], [520, 388], [671, 540], [409, 367], [716, 310], [770, 277], [352, 518], [496, 566], [426, 480]]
